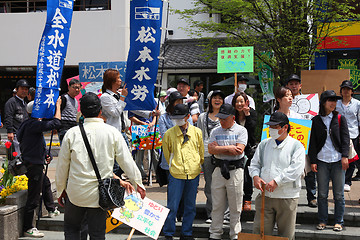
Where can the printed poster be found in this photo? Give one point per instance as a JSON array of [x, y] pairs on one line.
[[142, 137], [144, 215], [300, 130]]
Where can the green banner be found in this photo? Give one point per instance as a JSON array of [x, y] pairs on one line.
[[266, 80], [235, 60]]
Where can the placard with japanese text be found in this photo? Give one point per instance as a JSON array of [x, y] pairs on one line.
[[235, 60], [144, 215]]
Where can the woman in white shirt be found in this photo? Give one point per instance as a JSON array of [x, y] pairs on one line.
[[284, 98]]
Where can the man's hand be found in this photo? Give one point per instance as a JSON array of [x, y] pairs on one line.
[[271, 186], [344, 163], [141, 191], [61, 199], [129, 188], [314, 167], [48, 159], [234, 150], [58, 103], [258, 182]]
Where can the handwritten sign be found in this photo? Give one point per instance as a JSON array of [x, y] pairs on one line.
[[300, 130], [306, 105], [143, 137], [144, 215], [235, 59]]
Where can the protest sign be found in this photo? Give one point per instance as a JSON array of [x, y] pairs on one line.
[[307, 105], [51, 57], [235, 60], [143, 61], [94, 71], [300, 129], [142, 137], [144, 215]]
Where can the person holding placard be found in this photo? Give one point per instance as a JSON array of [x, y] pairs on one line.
[[294, 84]]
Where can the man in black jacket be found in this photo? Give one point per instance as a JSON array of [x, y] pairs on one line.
[[15, 111], [32, 145]]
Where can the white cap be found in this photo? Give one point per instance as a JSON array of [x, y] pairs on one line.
[[29, 107]]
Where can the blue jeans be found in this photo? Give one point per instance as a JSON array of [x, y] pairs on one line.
[[333, 171], [310, 183], [176, 189]]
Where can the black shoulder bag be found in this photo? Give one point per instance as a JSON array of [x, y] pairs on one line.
[[111, 193]]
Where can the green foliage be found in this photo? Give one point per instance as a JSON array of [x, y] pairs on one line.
[[288, 28]]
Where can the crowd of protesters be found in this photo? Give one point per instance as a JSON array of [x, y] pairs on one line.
[[215, 136]]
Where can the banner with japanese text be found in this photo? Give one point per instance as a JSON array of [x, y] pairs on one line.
[[144, 215], [300, 130], [51, 57], [142, 137], [94, 71], [143, 62], [235, 60]]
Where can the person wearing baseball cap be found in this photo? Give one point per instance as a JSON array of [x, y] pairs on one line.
[[227, 143], [294, 83], [15, 111], [184, 151], [278, 164], [328, 153], [349, 107]]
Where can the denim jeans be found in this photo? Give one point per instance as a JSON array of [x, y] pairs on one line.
[[350, 171], [335, 173], [176, 189], [74, 217]]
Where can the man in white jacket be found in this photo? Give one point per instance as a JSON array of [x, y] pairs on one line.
[[278, 163]]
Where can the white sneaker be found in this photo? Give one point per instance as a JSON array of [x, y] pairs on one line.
[[208, 220], [33, 232], [347, 188], [53, 214]]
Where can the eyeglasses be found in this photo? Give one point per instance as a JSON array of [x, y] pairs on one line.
[[76, 87]]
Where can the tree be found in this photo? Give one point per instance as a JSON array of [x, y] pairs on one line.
[[291, 29]]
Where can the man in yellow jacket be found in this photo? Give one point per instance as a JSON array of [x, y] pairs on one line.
[[184, 151]]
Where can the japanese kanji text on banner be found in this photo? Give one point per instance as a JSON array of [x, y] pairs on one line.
[[52, 53], [142, 62], [235, 59]]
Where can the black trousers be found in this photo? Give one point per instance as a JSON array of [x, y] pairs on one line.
[[73, 222], [37, 183], [248, 184]]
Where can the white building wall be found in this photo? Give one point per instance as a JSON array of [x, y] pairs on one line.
[[95, 36], [179, 25]]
